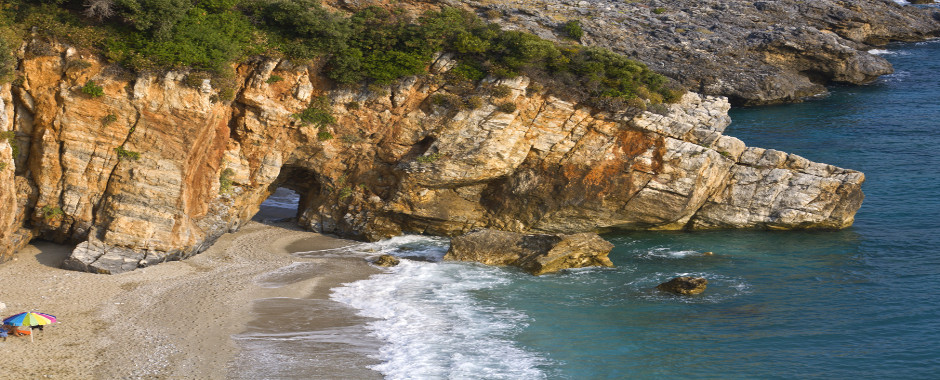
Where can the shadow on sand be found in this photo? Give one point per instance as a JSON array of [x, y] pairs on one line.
[[52, 254]]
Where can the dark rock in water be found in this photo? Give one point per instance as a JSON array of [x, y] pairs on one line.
[[686, 285], [536, 254], [387, 261]]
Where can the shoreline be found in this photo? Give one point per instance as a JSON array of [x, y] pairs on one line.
[[174, 320]]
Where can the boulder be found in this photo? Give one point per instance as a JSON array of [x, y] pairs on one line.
[[535, 253], [685, 285], [386, 261]]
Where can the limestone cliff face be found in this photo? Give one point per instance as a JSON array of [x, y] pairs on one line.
[[398, 159], [755, 52]]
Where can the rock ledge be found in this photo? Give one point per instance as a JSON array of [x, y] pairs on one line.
[[536, 254]]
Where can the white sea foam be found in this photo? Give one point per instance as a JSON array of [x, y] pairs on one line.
[[720, 287], [433, 326], [668, 253], [283, 198]]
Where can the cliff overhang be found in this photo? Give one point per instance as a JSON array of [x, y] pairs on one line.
[[156, 169]]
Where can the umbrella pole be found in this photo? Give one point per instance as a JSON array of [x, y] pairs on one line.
[[30, 336]]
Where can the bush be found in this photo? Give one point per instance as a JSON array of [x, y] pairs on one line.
[[324, 135], [573, 29], [49, 212], [7, 60], [473, 102], [127, 154], [225, 181], [450, 101], [274, 79], [318, 114], [93, 90], [506, 107], [108, 119], [500, 91]]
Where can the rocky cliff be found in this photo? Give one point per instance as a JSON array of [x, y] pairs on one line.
[[159, 166], [754, 52]]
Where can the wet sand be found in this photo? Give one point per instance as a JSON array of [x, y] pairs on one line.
[[189, 319]]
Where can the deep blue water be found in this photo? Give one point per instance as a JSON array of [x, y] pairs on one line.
[[857, 303]]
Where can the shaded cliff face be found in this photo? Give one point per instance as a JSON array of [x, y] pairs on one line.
[[404, 158], [755, 52]]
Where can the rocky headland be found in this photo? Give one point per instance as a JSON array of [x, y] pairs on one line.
[[156, 167], [753, 52]]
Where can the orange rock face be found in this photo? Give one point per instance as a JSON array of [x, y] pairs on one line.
[[160, 166]]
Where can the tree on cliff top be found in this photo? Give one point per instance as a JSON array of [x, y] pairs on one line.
[[373, 44]]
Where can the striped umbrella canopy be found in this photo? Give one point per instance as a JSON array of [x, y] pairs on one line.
[[29, 318]]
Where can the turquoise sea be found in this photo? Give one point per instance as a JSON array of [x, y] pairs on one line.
[[857, 303]]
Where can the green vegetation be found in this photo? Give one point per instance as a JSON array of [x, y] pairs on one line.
[[10, 136], [109, 119], [573, 29], [318, 113], [49, 212], [225, 181], [3, 165], [127, 154], [345, 192], [506, 107], [372, 45], [500, 91], [324, 135], [659, 10], [93, 90], [274, 79], [429, 158], [473, 102]]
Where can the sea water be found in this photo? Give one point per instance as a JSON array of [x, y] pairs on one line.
[[856, 303]]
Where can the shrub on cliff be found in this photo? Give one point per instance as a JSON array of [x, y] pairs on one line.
[[573, 29], [93, 90], [373, 44]]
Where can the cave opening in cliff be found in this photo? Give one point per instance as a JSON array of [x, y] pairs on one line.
[[288, 192]]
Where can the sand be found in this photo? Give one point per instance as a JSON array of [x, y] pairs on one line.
[[182, 319]]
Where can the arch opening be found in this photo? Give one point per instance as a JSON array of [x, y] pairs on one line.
[[292, 189]]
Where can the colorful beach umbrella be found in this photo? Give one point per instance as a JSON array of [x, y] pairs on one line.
[[29, 318]]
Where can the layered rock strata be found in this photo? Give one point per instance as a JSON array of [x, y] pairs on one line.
[[161, 165], [537, 254], [754, 52]]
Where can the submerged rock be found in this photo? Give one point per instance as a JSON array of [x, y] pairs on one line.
[[387, 261], [536, 254], [685, 285]]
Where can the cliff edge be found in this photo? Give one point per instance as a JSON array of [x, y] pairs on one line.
[[754, 52], [156, 167]]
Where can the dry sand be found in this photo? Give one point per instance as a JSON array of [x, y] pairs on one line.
[[173, 320]]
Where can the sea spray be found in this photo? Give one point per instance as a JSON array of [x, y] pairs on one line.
[[433, 324]]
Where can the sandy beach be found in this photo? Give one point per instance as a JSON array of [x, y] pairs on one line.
[[179, 319]]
